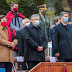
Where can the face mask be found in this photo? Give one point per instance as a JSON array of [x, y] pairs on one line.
[[43, 12], [66, 19], [27, 24], [15, 9], [37, 22], [3, 24]]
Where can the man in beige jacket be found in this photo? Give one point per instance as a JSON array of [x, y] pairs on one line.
[[8, 42]]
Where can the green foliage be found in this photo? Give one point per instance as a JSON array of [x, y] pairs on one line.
[[70, 4], [10, 1], [27, 7], [50, 13], [4, 8], [58, 5]]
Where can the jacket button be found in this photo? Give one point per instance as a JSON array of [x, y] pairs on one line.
[[40, 39]]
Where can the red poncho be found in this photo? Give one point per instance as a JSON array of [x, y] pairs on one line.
[[10, 15]]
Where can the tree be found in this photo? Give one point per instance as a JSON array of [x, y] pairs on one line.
[[70, 6], [4, 7], [27, 7], [58, 5]]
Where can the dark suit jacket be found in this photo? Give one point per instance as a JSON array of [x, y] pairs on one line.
[[51, 34], [62, 41], [35, 36], [21, 42]]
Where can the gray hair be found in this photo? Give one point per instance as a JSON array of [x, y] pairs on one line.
[[56, 19], [33, 16], [62, 14], [23, 21]]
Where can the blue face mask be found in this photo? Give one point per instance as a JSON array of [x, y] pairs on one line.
[[66, 19], [37, 22], [27, 24]]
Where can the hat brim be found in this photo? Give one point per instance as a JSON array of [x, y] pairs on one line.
[[43, 8]]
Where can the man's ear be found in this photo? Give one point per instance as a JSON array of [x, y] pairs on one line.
[[61, 17], [23, 25]]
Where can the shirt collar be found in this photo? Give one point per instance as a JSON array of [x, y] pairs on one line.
[[64, 25]]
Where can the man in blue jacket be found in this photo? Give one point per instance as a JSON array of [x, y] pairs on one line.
[[56, 22]]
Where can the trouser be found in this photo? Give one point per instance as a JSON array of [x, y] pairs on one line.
[[6, 65], [24, 66], [60, 60], [31, 64], [68, 60], [65, 60]]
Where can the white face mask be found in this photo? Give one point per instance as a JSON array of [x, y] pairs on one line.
[[27, 24], [37, 22]]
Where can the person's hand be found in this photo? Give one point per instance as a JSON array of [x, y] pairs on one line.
[[40, 48], [13, 45], [57, 54]]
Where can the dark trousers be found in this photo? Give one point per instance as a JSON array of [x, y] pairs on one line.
[[31, 64], [65, 60], [68, 60], [6, 65], [24, 67]]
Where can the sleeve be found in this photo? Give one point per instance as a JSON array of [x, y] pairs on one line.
[[55, 40], [4, 42], [20, 44], [44, 45], [48, 22], [48, 26], [16, 37], [15, 41], [50, 34], [29, 39]]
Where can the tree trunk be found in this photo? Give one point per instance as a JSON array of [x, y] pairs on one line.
[[71, 15]]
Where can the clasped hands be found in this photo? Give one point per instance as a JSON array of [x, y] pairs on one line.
[[40, 48], [13, 45]]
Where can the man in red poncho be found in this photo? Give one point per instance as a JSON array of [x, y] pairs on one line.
[[14, 18]]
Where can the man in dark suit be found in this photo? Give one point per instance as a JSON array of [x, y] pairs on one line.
[[22, 41], [35, 41], [62, 39]]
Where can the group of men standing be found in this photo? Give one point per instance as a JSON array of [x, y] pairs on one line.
[[30, 37]]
